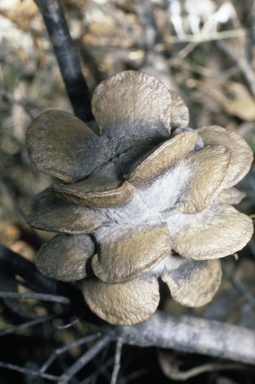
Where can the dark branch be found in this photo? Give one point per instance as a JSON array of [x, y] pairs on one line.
[[67, 57]]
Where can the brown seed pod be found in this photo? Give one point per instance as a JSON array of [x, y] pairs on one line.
[[138, 203]]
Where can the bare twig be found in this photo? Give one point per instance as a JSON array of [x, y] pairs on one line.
[[27, 371], [67, 57], [76, 343], [170, 367], [84, 359], [69, 373], [193, 335], [117, 358], [205, 37], [183, 53], [92, 379], [28, 324], [36, 296]]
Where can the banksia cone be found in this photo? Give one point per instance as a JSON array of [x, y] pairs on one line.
[[142, 197]]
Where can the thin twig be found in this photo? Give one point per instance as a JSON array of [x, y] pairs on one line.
[[74, 344], [79, 364], [28, 371], [28, 324], [100, 364], [69, 325], [205, 37], [35, 296], [93, 377], [171, 369], [67, 57], [182, 54], [117, 358], [84, 359]]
